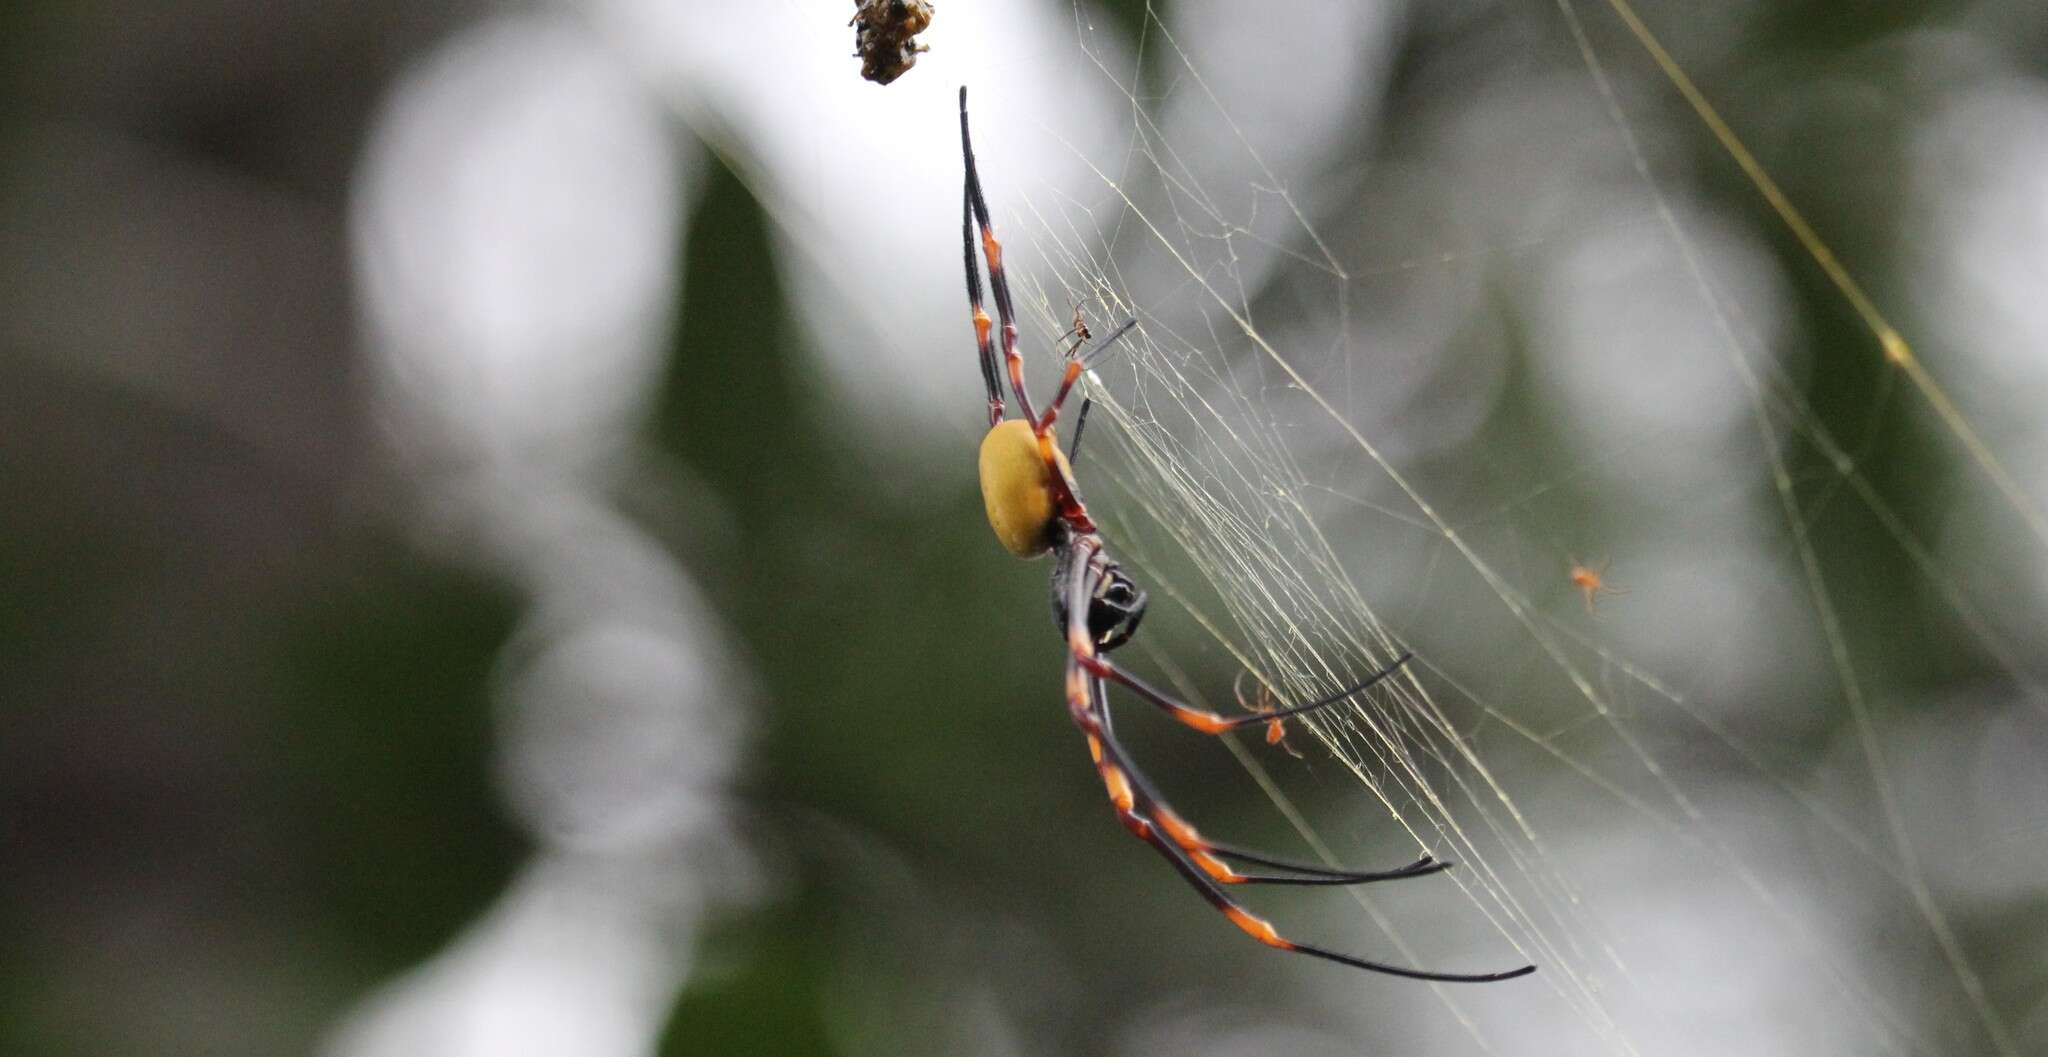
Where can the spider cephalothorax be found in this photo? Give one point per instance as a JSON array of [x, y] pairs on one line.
[[1034, 506], [1115, 603]]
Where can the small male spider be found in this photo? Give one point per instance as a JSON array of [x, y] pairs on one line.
[[1034, 505], [1263, 701], [1591, 581]]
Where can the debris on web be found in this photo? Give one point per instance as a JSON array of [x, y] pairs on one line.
[[884, 36]]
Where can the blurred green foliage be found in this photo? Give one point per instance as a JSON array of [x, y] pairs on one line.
[[382, 762]]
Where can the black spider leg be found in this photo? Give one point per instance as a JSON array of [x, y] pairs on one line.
[[991, 373], [998, 280], [1316, 874], [1088, 359], [1080, 423], [1087, 403], [1209, 722]]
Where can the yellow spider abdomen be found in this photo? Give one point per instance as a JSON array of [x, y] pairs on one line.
[[1016, 487]]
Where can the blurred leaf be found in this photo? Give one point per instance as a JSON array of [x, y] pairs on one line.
[[730, 406], [763, 995], [385, 758]]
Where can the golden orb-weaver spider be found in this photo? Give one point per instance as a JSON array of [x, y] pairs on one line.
[[1035, 507]]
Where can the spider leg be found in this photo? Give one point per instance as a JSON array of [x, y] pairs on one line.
[[1080, 423], [998, 281], [1156, 829], [1422, 867], [1209, 722], [989, 374], [1205, 850]]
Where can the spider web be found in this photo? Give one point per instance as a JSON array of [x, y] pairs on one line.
[[1743, 803]]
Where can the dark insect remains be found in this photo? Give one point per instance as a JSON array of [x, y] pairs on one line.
[[884, 36]]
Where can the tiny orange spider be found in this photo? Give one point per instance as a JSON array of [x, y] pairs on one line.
[[1276, 729], [1079, 332], [1591, 580]]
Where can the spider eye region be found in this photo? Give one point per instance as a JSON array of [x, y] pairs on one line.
[[1017, 488]]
